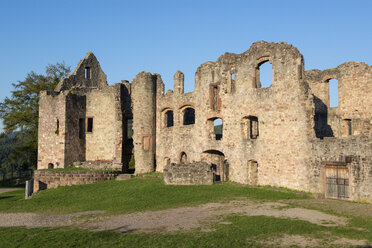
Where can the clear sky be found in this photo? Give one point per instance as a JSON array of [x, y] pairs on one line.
[[165, 36]]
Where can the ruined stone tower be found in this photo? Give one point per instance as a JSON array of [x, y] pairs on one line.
[[144, 121]]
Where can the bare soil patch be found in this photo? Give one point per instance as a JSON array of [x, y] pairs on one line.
[[36, 220], [302, 241], [175, 219], [187, 218], [341, 207], [4, 190]]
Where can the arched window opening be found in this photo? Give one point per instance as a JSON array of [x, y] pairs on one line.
[[264, 74], [189, 116], [50, 166], [215, 127], [250, 127], [183, 158], [169, 118], [333, 92]]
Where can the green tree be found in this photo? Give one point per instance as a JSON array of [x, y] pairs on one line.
[[20, 114]]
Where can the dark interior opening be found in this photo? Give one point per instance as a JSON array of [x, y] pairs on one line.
[[189, 116], [90, 125], [169, 118]]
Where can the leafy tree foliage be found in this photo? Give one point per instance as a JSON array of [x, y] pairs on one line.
[[20, 117]]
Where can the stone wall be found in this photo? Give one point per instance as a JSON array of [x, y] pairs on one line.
[[101, 142], [272, 135], [355, 102], [289, 113], [53, 179], [199, 173], [355, 151], [284, 113], [52, 130], [75, 142], [75, 100], [98, 165]]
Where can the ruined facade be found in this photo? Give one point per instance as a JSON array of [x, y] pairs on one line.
[[283, 135]]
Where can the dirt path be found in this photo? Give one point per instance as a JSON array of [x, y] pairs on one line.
[[341, 207], [175, 219], [38, 220], [4, 190], [187, 218]]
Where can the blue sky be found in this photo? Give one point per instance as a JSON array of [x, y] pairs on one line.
[[165, 36]]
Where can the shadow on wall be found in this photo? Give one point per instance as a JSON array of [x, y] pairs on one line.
[[321, 127]]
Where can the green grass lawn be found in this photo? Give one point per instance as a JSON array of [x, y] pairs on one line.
[[136, 194], [139, 194], [243, 231]]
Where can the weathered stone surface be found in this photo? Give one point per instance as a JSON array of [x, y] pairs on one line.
[[123, 177], [280, 135], [52, 179], [198, 173], [96, 165]]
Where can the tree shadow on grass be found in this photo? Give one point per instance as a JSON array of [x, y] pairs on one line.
[[5, 197]]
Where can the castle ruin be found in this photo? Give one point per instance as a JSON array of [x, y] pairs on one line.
[[283, 135]]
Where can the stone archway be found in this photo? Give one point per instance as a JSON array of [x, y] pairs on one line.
[[217, 159]]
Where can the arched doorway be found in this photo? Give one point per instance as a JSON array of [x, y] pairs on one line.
[[220, 165]]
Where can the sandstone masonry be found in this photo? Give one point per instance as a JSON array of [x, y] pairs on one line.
[[283, 135], [53, 179], [198, 173]]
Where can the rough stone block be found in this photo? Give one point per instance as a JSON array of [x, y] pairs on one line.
[[123, 177]]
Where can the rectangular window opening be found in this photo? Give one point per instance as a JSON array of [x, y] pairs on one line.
[[250, 127], [349, 126], [333, 93], [253, 127], [57, 130], [87, 72], [169, 118], [214, 97], [89, 125]]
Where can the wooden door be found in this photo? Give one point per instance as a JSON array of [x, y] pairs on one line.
[[337, 182]]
